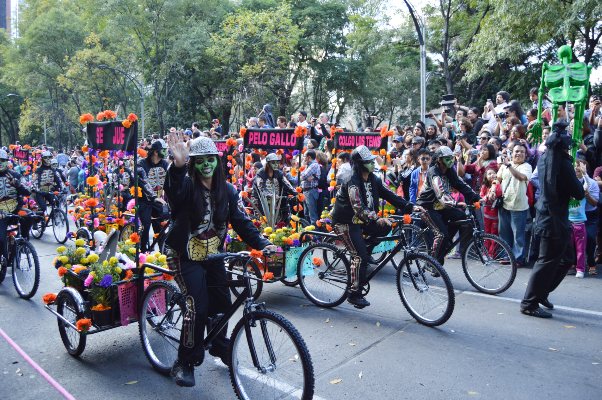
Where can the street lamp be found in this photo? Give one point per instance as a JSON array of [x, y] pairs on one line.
[[136, 83], [419, 24]]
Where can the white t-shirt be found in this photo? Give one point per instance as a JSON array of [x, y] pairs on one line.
[[515, 191]]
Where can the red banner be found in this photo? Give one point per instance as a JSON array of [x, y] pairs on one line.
[[20, 154]]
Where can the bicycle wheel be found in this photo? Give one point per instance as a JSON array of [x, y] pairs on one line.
[[415, 238], [26, 269], [160, 325], [60, 225], [489, 264], [126, 232], [425, 289], [324, 274], [84, 233], [3, 268], [38, 226], [68, 308], [284, 369], [253, 268]]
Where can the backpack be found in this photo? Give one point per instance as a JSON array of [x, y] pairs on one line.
[[323, 179], [531, 194]]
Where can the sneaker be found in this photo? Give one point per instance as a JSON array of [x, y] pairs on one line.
[[358, 300], [546, 303], [580, 274], [538, 312], [223, 352], [183, 374]]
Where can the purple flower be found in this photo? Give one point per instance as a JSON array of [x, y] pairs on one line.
[[296, 243], [295, 153], [228, 239], [106, 281]]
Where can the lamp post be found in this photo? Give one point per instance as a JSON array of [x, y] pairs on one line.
[[138, 86], [419, 24]]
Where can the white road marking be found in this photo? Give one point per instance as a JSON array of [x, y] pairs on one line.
[[513, 300], [283, 387]]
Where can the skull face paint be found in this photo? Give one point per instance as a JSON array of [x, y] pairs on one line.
[[206, 165], [275, 165], [448, 161], [369, 166], [3, 165]]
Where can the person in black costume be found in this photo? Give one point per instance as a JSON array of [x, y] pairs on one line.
[[558, 184], [356, 212], [202, 204]]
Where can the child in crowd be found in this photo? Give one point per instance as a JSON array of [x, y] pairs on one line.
[[490, 190], [579, 237]]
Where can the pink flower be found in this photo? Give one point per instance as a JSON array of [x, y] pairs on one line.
[[142, 258], [120, 188], [96, 222], [220, 153], [229, 165], [240, 148], [89, 280], [131, 204], [330, 188]]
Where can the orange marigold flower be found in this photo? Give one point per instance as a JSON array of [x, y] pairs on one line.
[[129, 274], [268, 276], [49, 298], [110, 114], [135, 238], [93, 202], [85, 149], [62, 271], [407, 219], [83, 324], [300, 131], [256, 253], [132, 117], [301, 197], [133, 191], [92, 180], [243, 132], [100, 307], [383, 152], [100, 116], [22, 213], [298, 189], [12, 146], [142, 153], [85, 118], [126, 123], [244, 194], [231, 142], [167, 277], [317, 261], [328, 228]]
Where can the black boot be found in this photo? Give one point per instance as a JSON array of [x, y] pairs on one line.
[[223, 352], [183, 374], [357, 300]]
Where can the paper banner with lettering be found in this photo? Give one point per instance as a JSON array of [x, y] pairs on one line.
[[351, 140], [21, 155], [272, 139], [221, 146], [112, 136]]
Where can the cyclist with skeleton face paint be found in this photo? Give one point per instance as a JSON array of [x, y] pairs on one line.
[[11, 200], [356, 212], [441, 207], [46, 181], [203, 203], [270, 181], [151, 174]]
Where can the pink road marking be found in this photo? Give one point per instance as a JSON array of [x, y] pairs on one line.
[[35, 366]]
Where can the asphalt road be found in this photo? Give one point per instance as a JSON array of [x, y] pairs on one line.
[[487, 350]]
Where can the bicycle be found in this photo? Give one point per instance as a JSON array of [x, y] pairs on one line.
[[269, 358], [22, 258], [57, 218], [487, 261], [158, 238], [423, 285]]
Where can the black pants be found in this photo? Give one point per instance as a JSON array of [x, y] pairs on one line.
[[146, 212], [439, 222], [556, 255], [352, 236], [26, 223], [204, 286], [42, 198]]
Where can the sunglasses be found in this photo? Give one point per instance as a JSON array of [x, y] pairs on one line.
[[425, 158]]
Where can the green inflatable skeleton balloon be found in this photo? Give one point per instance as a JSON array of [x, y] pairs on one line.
[[566, 83]]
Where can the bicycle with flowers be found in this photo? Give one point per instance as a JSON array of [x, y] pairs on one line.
[[100, 290], [21, 257]]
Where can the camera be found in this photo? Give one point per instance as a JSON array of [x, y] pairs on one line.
[[448, 103], [502, 115]]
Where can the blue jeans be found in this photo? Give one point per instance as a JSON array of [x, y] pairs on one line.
[[512, 226], [311, 205]]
